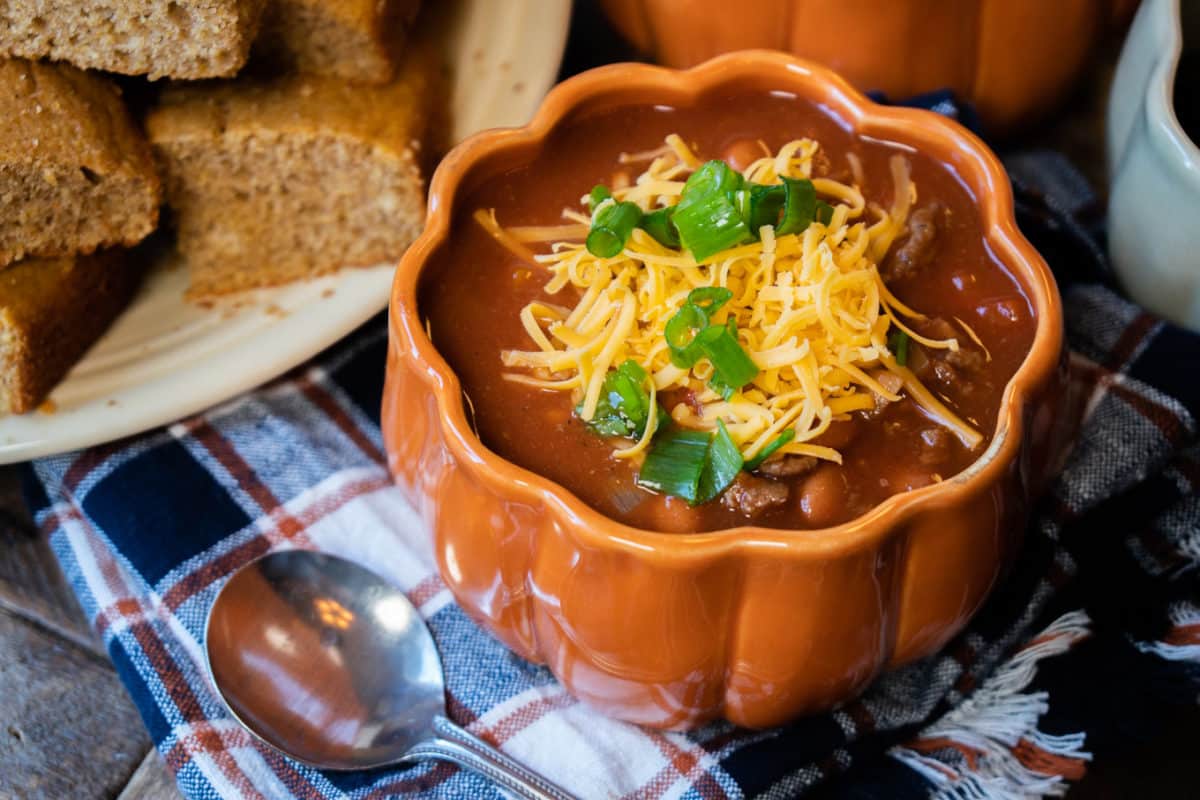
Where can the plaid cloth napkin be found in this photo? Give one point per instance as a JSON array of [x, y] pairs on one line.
[[1093, 635]]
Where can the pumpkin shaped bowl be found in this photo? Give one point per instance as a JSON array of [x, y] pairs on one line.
[[754, 624], [1012, 59]]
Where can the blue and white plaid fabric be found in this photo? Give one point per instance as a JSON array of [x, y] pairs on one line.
[[1095, 632]]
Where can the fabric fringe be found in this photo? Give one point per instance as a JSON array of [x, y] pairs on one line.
[[989, 747], [1182, 642]]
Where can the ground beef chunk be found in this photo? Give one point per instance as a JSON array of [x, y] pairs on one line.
[[750, 496], [951, 368], [939, 328], [943, 373], [919, 246], [789, 466], [890, 381], [946, 367], [965, 360]]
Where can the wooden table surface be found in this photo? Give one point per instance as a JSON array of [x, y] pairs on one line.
[[68, 729]]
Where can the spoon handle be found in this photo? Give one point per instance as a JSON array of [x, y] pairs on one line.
[[466, 750]]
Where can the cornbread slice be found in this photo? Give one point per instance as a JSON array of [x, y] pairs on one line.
[[275, 180], [178, 39], [353, 39], [51, 311], [75, 172]]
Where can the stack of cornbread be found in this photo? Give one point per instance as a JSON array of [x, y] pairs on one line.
[[296, 155]]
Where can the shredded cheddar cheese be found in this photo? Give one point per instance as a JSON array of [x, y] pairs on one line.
[[811, 310]]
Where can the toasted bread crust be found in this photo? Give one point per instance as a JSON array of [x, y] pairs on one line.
[[274, 180], [75, 171], [51, 311], [181, 39], [357, 40]]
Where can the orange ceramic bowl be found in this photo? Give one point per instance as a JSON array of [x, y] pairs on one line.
[[752, 624]]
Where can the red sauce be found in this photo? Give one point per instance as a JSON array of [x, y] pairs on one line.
[[475, 289]]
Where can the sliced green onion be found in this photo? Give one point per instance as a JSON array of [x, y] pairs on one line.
[[731, 366], [611, 227], [718, 209], [706, 217], [659, 225], [709, 299], [712, 178], [741, 200], [709, 224], [770, 447], [723, 464], [598, 195], [898, 344], [627, 395], [607, 419], [632, 369], [824, 212], [680, 334], [766, 203], [675, 462], [799, 207], [624, 406]]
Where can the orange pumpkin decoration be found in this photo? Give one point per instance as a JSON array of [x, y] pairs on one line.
[[1011, 58]]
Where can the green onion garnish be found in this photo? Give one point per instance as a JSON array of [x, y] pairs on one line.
[[608, 421], [691, 336], [824, 212], [718, 210], [624, 406], [709, 299], [898, 344], [693, 465], [741, 200], [770, 447], [680, 334], [711, 213], [799, 206], [659, 225], [675, 462], [611, 226], [712, 178], [766, 203], [709, 224], [598, 195], [632, 369], [723, 464], [732, 368], [626, 393]]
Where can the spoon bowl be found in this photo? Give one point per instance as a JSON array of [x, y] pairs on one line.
[[325, 659], [331, 664]]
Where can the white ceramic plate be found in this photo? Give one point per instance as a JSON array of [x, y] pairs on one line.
[[165, 358]]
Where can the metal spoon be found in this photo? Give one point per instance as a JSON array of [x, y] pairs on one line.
[[330, 664]]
